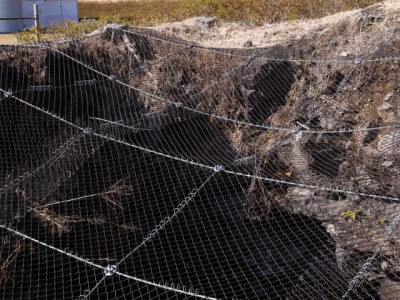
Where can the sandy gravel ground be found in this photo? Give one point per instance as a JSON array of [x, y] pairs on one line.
[[7, 39]]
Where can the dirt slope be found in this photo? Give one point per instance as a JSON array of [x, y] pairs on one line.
[[322, 196], [340, 96], [209, 32]]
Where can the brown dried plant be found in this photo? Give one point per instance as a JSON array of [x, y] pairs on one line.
[[59, 223]]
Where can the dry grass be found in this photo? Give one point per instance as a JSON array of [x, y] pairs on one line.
[[136, 13], [58, 223], [94, 14], [158, 11], [9, 250]]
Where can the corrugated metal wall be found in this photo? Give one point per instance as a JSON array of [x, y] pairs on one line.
[[10, 9]]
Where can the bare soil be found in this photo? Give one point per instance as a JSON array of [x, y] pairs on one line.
[[8, 39]]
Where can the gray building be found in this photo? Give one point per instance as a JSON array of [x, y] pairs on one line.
[[50, 11]]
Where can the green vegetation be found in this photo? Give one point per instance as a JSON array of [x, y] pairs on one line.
[[351, 214], [158, 11]]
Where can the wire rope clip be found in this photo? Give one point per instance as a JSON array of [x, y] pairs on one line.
[[110, 270], [88, 130], [252, 56], [219, 168], [178, 104], [8, 93]]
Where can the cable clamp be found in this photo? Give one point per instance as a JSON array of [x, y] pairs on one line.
[[219, 168], [8, 93], [88, 130], [110, 270]]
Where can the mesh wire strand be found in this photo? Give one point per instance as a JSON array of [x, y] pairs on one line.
[[138, 166]]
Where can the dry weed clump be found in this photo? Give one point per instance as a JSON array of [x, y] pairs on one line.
[[9, 251], [52, 214], [137, 12], [149, 13], [159, 11]]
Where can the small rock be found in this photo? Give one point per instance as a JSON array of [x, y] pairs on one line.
[[207, 22], [330, 228], [386, 106], [384, 266], [387, 164], [248, 44], [344, 54], [388, 96]]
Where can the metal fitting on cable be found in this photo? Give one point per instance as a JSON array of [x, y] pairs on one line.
[[110, 270], [219, 168], [88, 130], [252, 56], [8, 93]]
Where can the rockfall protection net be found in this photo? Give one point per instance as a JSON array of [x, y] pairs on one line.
[[136, 166]]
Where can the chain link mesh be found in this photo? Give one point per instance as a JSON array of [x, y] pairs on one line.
[[134, 165]]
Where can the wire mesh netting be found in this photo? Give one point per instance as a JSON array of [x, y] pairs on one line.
[[135, 165]]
